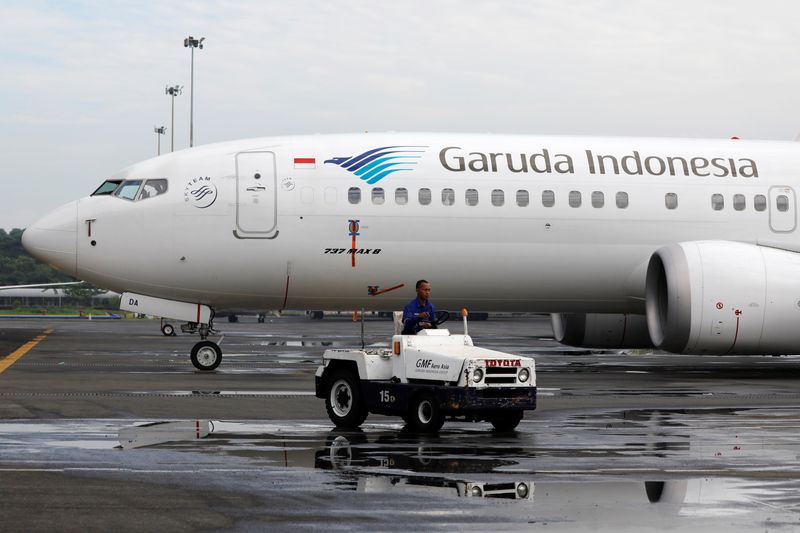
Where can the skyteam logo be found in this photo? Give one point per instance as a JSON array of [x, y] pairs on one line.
[[200, 192], [376, 164]]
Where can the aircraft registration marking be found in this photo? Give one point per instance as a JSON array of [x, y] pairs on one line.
[[14, 356]]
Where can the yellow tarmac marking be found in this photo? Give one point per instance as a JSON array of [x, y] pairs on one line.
[[14, 356]]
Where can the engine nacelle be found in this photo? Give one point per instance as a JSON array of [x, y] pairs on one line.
[[593, 330], [722, 297]]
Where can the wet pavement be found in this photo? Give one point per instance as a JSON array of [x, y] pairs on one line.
[[625, 442]]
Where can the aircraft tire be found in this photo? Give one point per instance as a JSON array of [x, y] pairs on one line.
[[168, 330], [206, 355], [343, 400], [424, 414], [506, 421]]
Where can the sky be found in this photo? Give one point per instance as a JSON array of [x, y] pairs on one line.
[[82, 82]]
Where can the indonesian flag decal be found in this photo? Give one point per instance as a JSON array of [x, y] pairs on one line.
[[305, 162]]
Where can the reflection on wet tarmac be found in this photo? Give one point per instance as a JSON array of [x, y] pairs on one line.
[[139, 436], [717, 468]]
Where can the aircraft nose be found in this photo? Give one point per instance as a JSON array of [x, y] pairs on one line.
[[53, 238]]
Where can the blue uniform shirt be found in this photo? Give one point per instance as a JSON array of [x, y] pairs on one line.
[[411, 317]]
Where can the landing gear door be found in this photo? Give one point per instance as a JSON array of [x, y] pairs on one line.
[[256, 196], [782, 209]]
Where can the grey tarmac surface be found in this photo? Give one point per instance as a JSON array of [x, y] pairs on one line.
[[620, 441]]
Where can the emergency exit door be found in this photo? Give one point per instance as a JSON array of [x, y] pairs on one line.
[[782, 210], [256, 194]]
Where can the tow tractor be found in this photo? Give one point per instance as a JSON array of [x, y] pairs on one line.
[[426, 377]]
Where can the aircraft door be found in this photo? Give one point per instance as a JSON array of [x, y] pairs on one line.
[[782, 209], [256, 195]]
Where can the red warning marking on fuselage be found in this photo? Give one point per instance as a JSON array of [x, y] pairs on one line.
[[353, 227], [373, 291], [736, 334]]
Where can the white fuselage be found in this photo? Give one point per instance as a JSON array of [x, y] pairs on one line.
[[560, 224]]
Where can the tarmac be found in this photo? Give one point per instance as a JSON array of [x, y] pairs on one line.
[[624, 441]]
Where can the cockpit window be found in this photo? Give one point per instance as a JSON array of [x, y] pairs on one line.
[[153, 188], [108, 187], [128, 189]]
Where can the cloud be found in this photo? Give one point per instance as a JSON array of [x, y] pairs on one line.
[[84, 81]]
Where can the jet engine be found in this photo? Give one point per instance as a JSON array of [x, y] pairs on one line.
[[722, 297], [593, 330]]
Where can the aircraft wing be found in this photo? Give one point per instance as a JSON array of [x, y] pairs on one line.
[[35, 285]]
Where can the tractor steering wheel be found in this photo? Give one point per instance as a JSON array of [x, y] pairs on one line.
[[440, 317]]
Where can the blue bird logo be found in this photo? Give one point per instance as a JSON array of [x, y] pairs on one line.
[[374, 165]]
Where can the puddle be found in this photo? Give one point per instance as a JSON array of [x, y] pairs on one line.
[[634, 470], [139, 436]]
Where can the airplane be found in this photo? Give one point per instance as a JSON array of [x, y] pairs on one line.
[[685, 245]]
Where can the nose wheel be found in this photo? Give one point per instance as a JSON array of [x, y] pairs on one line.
[[206, 355]]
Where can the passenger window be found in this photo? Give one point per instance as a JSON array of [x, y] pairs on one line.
[[424, 196], [448, 197], [354, 195], [574, 198], [671, 200], [377, 196], [739, 202], [471, 197], [760, 202], [330, 195], [598, 199], [128, 189], [401, 196], [522, 198], [548, 198], [622, 200], [107, 187], [153, 188], [717, 202], [498, 197], [782, 203]]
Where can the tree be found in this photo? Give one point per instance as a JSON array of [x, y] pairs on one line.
[[82, 294], [19, 268]]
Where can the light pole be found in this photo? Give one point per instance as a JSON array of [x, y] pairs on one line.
[[159, 132], [191, 42], [173, 91]]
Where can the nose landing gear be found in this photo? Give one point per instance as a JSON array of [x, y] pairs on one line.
[[206, 355]]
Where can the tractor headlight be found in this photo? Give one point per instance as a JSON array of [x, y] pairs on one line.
[[477, 375], [522, 490], [524, 375], [476, 491]]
